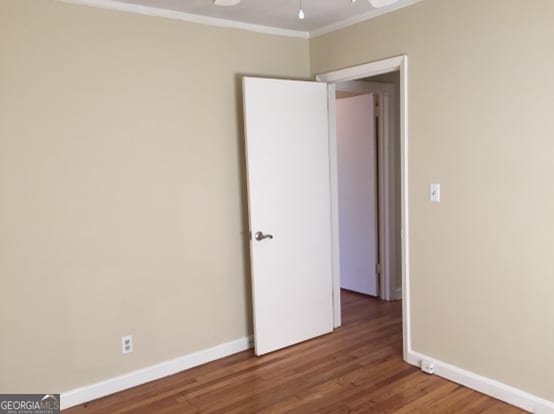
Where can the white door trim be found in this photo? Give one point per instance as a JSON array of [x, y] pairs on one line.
[[363, 71], [349, 74]]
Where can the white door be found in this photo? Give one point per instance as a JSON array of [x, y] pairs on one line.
[[287, 152], [357, 191]]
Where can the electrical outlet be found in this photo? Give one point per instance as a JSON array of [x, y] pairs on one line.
[[427, 367], [127, 344]]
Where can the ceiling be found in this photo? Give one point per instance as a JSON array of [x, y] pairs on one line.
[[321, 15]]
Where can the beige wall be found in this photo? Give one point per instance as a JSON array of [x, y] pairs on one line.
[[481, 123], [122, 207]]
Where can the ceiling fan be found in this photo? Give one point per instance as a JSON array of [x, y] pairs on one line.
[[374, 3]]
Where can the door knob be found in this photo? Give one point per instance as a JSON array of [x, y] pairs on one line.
[[259, 236]]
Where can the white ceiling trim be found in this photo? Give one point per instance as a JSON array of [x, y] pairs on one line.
[[213, 21], [187, 17], [360, 18]]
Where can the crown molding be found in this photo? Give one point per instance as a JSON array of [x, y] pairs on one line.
[[187, 17], [232, 24], [360, 18]]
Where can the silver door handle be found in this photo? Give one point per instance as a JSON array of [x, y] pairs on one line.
[[259, 236]]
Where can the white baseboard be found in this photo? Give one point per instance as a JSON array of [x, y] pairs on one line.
[[154, 372], [498, 390]]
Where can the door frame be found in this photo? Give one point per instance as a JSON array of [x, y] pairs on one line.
[[398, 63], [386, 175]]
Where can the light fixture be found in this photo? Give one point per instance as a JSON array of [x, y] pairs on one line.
[[301, 14], [376, 4]]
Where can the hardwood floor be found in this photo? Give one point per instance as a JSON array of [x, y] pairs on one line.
[[357, 369]]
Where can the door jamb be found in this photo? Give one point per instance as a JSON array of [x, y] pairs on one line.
[[399, 63]]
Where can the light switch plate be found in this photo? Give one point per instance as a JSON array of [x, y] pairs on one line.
[[435, 193]]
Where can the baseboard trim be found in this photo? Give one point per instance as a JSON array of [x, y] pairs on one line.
[[154, 372], [498, 390]]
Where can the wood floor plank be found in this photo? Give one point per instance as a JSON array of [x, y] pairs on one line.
[[355, 370]]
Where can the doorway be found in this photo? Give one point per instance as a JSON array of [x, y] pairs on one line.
[[304, 113], [381, 72], [368, 186]]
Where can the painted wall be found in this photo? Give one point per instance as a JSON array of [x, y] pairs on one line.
[[481, 261], [357, 182], [122, 206]]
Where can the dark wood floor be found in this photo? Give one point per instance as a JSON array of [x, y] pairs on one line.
[[357, 369]]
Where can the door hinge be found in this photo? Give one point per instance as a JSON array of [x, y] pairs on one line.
[[378, 268]]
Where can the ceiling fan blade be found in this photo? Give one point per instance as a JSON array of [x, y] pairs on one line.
[[381, 3]]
